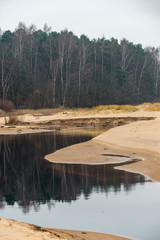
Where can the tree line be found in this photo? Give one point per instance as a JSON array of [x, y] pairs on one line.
[[44, 69]]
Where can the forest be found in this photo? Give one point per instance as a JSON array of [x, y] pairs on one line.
[[48, 69]]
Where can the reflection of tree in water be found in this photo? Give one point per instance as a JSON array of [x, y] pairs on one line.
[[29, 180], [77, 179]]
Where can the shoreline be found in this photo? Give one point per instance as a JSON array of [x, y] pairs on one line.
[[21, 230], [113, 120], [125, 159], [137, 140], [61, 123], [140, 139]]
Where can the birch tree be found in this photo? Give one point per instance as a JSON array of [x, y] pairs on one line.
[[7, 66], [155, 53], [20, 37], [127, 54], [33, 54], [70, 46], [82, 56], [142, 71], [61, 42]]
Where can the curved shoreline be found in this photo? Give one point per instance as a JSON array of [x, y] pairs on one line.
[[139, 139], [136, 140]]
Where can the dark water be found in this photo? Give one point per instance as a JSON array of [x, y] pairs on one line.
[[94, 198]]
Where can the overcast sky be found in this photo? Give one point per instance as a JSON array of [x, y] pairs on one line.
[[136, 20]]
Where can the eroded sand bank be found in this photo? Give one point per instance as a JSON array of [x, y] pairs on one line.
[[10, 229]]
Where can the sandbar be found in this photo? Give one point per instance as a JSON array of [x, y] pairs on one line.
[[137, 140]]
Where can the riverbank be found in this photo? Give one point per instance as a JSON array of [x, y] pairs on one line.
[[32, 121], [140, 138], [10, 229], [137, 140]]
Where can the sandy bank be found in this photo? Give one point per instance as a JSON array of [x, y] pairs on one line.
[[34, 124], [136, 140], [10, 229], [21, 129], [140, 139]]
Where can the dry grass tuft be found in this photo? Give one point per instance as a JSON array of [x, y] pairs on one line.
[[153, 107], [115, 108], [40, 112]]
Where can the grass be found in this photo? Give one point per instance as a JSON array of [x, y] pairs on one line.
[[115, 108], [15, 117], [45, 111], [153, 107]]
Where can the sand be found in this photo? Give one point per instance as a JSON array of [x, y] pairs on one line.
[[10, 229], [12, 130], [138, 140], [135, 140]]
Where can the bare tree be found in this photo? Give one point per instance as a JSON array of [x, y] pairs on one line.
[[70, 45], [7, 68], [155, 53], [54, 66], [55, 70], [141, 76], [82, 65], [20, 37], [33, 53], [65, 48], [47, 29], [126, 54], [61, 53], [52, 69], [102, 59]]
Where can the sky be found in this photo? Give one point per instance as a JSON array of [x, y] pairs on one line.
[[136, 20]]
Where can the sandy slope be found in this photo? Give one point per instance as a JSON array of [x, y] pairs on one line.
[[10, 230], [139, 139]]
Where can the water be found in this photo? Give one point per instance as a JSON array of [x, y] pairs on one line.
[[80, 197]]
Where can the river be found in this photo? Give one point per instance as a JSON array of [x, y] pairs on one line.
[[77, 197]]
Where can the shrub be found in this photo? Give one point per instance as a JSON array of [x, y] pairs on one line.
[[6, 105], [12, 119]]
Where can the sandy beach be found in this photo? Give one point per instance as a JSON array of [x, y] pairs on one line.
[[135, 140], [10, 229]]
